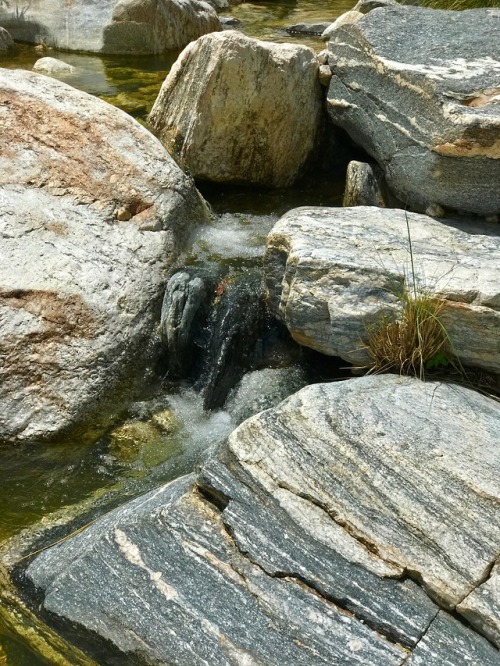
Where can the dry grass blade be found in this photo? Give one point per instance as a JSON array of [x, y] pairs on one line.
[[405, 343]]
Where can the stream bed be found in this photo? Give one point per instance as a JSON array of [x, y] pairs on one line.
[[41, 483]]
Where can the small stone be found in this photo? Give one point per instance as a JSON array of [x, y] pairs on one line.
[[435, 210], [322, 57], [123, 214], [325, 75], [52, 66]]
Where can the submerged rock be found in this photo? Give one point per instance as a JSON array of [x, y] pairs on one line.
[[80, 288], [332, 272], [111, 26], [307, 28], [419, 90], [234, 109], [52, 66], [298, 540]]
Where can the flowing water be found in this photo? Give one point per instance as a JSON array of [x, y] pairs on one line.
[[40, 482]]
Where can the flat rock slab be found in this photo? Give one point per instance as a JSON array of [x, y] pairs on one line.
[[162, 579], [298, 541], [419, 89], [92, 213], [332, 272]]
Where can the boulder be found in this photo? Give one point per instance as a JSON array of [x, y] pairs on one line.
[[332, 272], [363, 185], [52, 66], [92, 213], [419, 90], [346, 18], [313, 536], [111, 26], [234, 109], [6, 41]]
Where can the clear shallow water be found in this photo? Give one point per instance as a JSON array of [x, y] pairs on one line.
[[37, 480], [133, 83]]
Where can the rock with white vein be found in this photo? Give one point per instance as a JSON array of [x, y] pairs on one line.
[[332, 272], [419, 89], [299, 539]]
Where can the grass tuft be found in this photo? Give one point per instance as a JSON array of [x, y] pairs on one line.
[[414, 341], [459, 5]]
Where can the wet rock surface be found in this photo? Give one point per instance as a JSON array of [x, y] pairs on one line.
[[425, 103], [331, 272], [186, 306], [80, 284], [277, 552]]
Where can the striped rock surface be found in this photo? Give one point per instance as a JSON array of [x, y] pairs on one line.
[[316, 535]]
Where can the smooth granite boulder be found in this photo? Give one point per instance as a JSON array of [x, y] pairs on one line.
[[92, 213], [332, 272], [110, 26], [419, 90], [310, 537], [235, 109]]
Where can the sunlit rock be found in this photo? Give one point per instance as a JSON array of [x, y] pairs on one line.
[[234, 109], [110, 26], [80, 290], [333, 272], [49, 65], [419, 90], [313, 537]]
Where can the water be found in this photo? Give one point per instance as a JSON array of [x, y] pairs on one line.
[[39, 481]]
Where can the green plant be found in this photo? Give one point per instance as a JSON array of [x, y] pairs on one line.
[[412, 339]]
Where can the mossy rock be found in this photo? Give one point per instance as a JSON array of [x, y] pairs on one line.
[[148, 443]]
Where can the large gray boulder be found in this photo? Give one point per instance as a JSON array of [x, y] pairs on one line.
[[311, 537], [332, 272], [110, 26], [234, 109], [418, 89], [92, 213]]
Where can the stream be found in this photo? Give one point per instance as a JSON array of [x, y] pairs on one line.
[[48, 483]]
